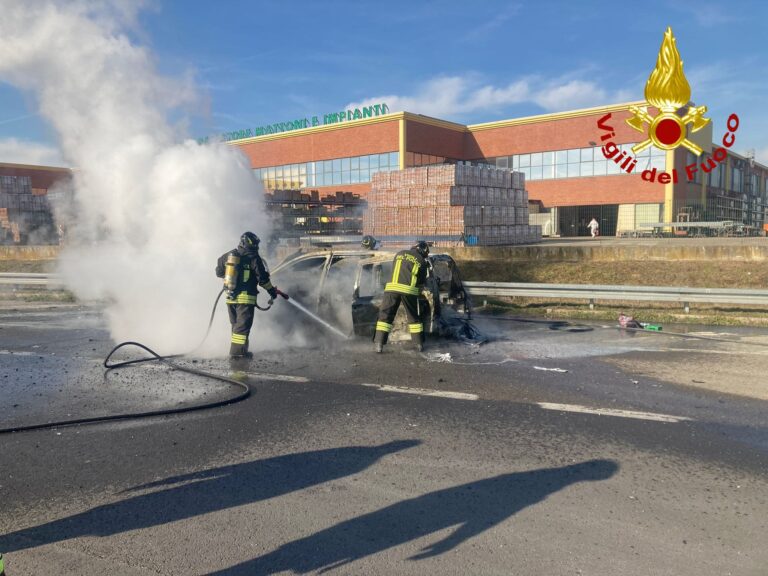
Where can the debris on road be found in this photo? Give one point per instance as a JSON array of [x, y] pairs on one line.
[[439, 357], [549, 369]]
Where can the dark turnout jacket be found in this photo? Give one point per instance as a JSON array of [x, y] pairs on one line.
[[251, 272], [409, 272]]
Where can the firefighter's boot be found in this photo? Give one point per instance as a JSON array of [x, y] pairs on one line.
[[381, 336], [417, 335]]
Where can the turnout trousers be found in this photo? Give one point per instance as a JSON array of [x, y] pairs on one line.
[[241, 318], [389, 305]]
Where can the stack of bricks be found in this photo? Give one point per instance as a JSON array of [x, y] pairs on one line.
[[297, 213], [8, 229], [24, 212], [311, 196], [451, 205]]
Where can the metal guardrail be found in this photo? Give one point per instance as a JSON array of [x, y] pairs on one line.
[[594, 292], [718, 224], [29, 279], [720, 229], [589, 292]]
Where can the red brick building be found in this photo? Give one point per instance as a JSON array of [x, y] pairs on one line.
[[560, 155], [41, 178], [568, 179]]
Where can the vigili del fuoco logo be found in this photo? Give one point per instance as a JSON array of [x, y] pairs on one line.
[[668, 91]]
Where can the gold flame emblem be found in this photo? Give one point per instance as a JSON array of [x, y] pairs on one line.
[[668, 90]]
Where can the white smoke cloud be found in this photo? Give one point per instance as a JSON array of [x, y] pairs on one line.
[[154, 210], [18, 151], [761, 155]]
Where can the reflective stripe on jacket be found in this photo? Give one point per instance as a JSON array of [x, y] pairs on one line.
[[409, 272]]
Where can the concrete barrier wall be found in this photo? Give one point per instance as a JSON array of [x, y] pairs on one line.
[[611, 252]]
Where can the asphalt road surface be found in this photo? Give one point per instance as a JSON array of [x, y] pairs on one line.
[[554, 449]]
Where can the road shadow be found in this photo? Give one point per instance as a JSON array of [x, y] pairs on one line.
[[472, 508], [558, 325], [199, 493]]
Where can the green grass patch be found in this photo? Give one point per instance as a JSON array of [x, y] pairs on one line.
[[692, 273], [654, 313], [33, 266], [62, 296]]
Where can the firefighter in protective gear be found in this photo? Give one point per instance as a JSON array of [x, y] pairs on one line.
[[241, 301], [409, 273], [369, 242]]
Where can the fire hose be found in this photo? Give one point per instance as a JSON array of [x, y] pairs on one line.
[[245, 389], [271, 300]]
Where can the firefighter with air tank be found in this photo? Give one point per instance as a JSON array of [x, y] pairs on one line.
[[409, 274], [243, 271]]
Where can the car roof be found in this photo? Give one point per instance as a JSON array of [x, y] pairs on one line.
[[371, 255], [344, 252]]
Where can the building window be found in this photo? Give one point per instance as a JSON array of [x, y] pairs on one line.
[[736, 179], [611, 168], [658, 162], [577, 162], [693, 159], [338, 171], [715, 177], [600, 166]]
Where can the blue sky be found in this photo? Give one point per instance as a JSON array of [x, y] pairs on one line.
[[256, 63]]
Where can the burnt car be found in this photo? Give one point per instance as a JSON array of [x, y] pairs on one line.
[[345, 287]]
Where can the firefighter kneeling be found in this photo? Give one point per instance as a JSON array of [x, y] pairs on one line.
[[409, 273]]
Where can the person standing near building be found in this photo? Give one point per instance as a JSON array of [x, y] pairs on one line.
[[594, 227], [409, 273], [249, 271]]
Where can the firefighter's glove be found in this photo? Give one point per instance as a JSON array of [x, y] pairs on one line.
[[272, 293]]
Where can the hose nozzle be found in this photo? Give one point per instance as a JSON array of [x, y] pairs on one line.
[[281, 293]]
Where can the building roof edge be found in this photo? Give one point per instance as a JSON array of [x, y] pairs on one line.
[[15, 166], [316, 129], [554, 116]]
